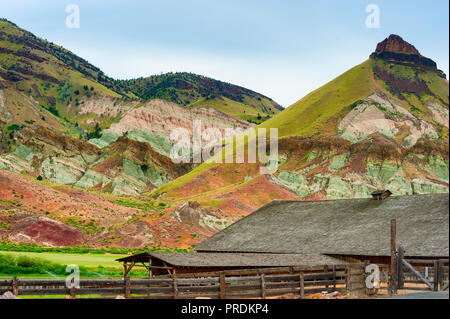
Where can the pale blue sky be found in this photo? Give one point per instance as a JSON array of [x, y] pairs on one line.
[[283, 49]]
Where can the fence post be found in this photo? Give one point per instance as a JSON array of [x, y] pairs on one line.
[[127, 286], [400, 268], [436, 276], [15, 286], [347, 280], [263, 286], [223, 286], [175, 287], [366, 263], [72, 290], [441, 274], [302, 286], [73, 293], [393, 279], [334, 277]]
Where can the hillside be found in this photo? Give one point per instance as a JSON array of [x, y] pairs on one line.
[[46, 89], [382, 124], [45, 84], [97, 168], [76, 150], [195, 90], [39, 81]]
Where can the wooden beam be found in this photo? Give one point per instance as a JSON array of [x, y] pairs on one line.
[[441, 273], [394, 278], [347, 279], [127, 287], [223, 287], [130, 267], [150, 271], [15, 286], [302, 286], [334, 277], [415, 272], [436, 276], [154, 267], [400, 267], [263, 286], [167, 268], [175, 288]]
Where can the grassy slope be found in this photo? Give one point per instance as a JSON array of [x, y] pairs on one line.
[[317, 113], [236, 109], [29, 86], [417, 102], [438, 86]]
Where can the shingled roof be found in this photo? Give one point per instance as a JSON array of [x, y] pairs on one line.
[[341, 227], [212, 260]]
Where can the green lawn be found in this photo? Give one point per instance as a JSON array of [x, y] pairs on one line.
[[86, 260]]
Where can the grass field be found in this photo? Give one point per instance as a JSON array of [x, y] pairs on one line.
[[86, 260]]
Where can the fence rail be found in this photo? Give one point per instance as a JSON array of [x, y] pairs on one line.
[[240, 284], [416, 274]]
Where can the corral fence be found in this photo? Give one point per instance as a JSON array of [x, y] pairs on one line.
[[233, 284], [407, 273], [419, 274], [415, 274]]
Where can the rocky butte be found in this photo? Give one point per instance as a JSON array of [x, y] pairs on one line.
[[396, 50]]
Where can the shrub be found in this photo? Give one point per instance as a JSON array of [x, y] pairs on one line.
[[13, 128], [355, 104]]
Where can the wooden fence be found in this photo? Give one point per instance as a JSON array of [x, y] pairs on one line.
[[435, 272], [269, 282], [420, 275]]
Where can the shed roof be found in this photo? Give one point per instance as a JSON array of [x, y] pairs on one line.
[[347, 227], [236, 259], [380, 191]]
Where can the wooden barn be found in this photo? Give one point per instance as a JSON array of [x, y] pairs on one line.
[[178, 263], [313, 233], [348, 229]]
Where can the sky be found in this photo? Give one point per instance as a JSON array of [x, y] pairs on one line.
[[283, 49]]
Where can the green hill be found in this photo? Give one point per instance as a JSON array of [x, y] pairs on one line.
[[195, 90], [318, 112]]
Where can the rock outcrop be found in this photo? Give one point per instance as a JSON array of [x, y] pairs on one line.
[[396, 50], [395, 43]]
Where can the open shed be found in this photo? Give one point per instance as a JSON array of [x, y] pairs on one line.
[[176, 263]]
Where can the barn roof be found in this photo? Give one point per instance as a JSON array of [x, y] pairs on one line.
[[347, 227], [236, 259]]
